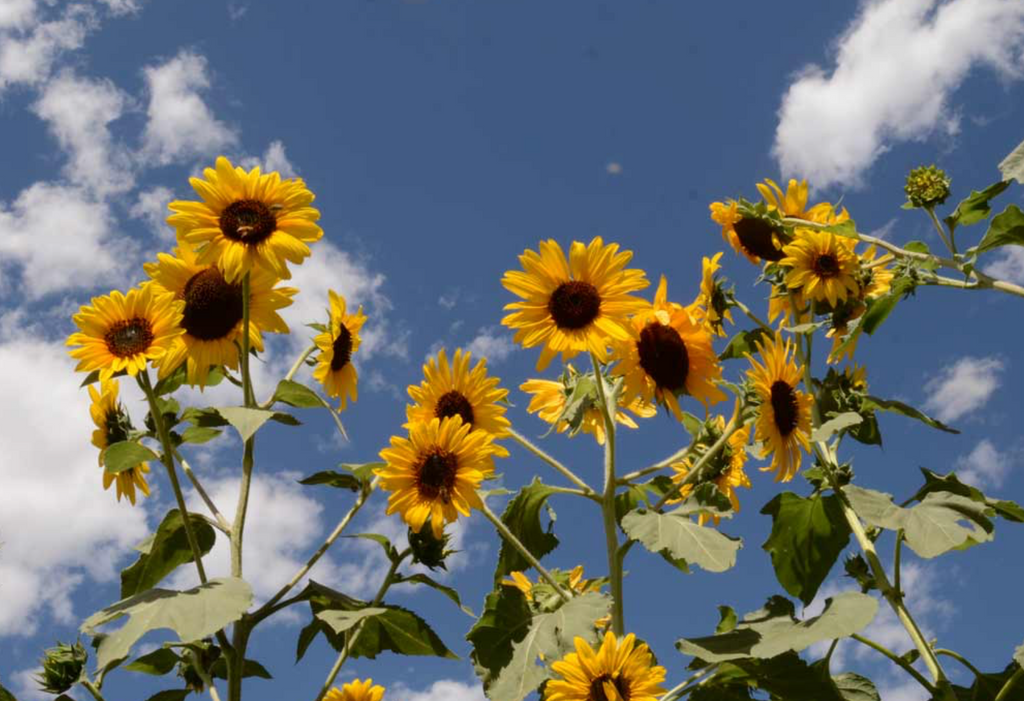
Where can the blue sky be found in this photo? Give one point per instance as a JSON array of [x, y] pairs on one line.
[[441, 140]]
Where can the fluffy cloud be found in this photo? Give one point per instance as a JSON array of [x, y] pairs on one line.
[[985, 466], [151, 207], [274, 158], [29, 47], [963, 387], [441, 690], [834, 124], [17, 14], [1008, 264], [493, 343]]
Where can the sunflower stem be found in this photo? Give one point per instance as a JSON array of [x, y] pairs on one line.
[[291, 373], [559, 467], [895, 659], [93, 691], [754, 317], [961, 659], [221, 522], [511, 539], [950, 244], [680, 689], [1011, 683], [629, 477]]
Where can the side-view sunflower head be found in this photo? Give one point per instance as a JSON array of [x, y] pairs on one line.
[[793, 203], [822, 266], [124, 332], [356, 690], [875, 276], [791, 305], [712, 306], [247, 220], [450, 389], [783, 425], [839, 330], [573, 306], [668, 355], [435, 472], [113, 426], [334, 369], [749, 235], [620, 670]]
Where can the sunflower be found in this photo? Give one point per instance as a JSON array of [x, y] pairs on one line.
[[122, 332], [334, 369], [113, 426], [247, 220], [752, 237], [576, 582], [784, 423], [668, 355], [212, 317], [455, 389], [575, 306], [876, 277], [356, 690], [791, 304], [435, 472], [731, 473], [840, 319], [620, 670], [794, 202], [822, 265], [711, 305]]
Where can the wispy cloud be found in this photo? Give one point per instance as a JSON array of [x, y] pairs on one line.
[[986, 466], [963, 387]]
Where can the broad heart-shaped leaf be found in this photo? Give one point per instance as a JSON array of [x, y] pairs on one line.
[[297, 395], [199, 434], [934, 482], [550, 635], [250, 668], [678, 535], [124, 455], [785, 677], [905, 410], [806, 539], [166, 550], [192, 614], [247, 421], [451, 593], [340, 621], [331, 478], [853, 687], [940, 523], [159, 662], [1006, 228], [975, 208], [741, 343], [1012, 167], [400, 631], [835, 425], [522, 516], [773, 630], [879, 309], [504, 622]]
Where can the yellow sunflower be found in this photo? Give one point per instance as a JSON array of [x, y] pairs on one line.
[[455, 389], [247, 220], [620, 670], [576, 582], [668, 355], [794, 202], [822, 265], [877, 278], [212, 315], [334, 369], [784, 423], [435, 472], [123, 332], [356, 690], [780, 303], [752, 237], [573, 306], [711, 306], [112, 426]]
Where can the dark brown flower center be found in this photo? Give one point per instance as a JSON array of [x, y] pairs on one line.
[[574, 304], [826, 266], [784, 406], [212, 306], [129, 336], [663, 356], [755, 236], [248, 221], [116, 426], [454, 403], [597, 688], [342, 348], [437, 475]]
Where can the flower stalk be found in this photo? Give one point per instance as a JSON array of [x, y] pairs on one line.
[[611, 532]]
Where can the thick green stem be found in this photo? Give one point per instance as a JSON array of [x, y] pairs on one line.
[[897, 660], [689, 684], [611, 526], [754, 317], [559, 467], [511, 539], [91, 688], [961, 659], [1010, 685]]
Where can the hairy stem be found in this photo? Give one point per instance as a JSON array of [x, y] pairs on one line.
[[897, 660], [511, 539], [611, 527], [559, 467]]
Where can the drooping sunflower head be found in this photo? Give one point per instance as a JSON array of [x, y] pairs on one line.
[[790, 304], [124, 332], [573, 306], [784, 421], [334, 369], [356, 690], [113, 426], [875, 276], [620, 670], [247, 220], [435, 472], [213, 310], [712, 306], [822, 266], [794, 202], [668, 355], [841, 327], [750, 235], [450, 389]]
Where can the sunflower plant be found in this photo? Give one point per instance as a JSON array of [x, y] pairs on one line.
[[200, 319]]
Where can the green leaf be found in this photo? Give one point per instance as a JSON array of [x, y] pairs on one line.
[[741, 343], [400, 631], [785, 678], [1006, 228], [167, 549], [880, 309], [1009, 510], [444, 589], [246, 421], [835, 425], [170, 695], [682, 538], [898, 407], [192, 614], [250, 668], [1012, 167], [917, 247], [975, 207], [853, 687], [297, 395], [522, 516], [172, 382], [340, 621], [637, 495], [940, 523], [846, 228], [389, 549], [364, 471], [208, 417], [157, 663], [5, 695], [551, 635], [806, 539], [727, 619], [331, 478], [773, 630], [199, 434], [124, 455], [504, 622]]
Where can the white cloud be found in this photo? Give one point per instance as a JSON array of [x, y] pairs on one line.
[[16, 14], [180, 125], [985, 466], [274, 158], [151, 207], [493, 343], [896, 66], [449, 299], [1008, 264], [962, 387], [25, 684], [27, 54], [441, 690], [903, 691]]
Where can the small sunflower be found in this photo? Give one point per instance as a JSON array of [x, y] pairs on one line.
[[212, 315], [455, 389], [822, 265], [668, 355], [573, 306], [247, 220], [576, 582], [840, 319], [123, 332], [435, 472], [113, 426], [752, 237], [712, 305], [620, 670], [731, 473], [334, 369], [356, 690], [784, 423], [876, 277], [794, 202], [790, 308]]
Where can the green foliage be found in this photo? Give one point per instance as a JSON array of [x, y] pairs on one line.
[[124, 455], [808, 534], [341, 620], [247, 421], [1006, 228], [157, 663], [986, 687], [951, 483], [63, 667], [250, 668], [975, 208], [199, 434], [170, 695], [636, 495], [880, 309], [164, 551], [450, 592], [897, 407], [836, 425], [503, 622], [785, 677], [743, 342], [677, 535], [428, 549], [1012, 167], [522, 516], [853, 687], [297, 395], [331, 478], [5, 695]]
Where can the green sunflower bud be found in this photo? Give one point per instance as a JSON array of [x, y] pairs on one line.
[[63, 667], [427, 549], [927, 186]]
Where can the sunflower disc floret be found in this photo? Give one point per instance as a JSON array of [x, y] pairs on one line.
[[620, 670]]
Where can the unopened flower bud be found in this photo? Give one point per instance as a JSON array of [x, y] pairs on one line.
[[62, 667], [927, 186], [427, 549]]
